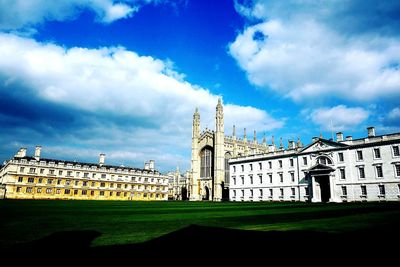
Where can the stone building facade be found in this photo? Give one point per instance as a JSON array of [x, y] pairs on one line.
[[26, 177], [211, 151], [365, 169], [178, 185]]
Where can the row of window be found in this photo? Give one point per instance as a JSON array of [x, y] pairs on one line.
[[85, 192], [93, 175], [50, 181], [364, 192], [342, 175], [260, 178], [378, 171], [271, 192], [79, 166], [324, 160]]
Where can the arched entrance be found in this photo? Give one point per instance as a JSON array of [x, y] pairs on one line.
[[207, 193]]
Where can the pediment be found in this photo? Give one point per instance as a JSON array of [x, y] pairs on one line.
[[321, 145]]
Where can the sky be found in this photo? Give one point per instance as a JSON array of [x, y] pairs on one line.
[[84, 77]]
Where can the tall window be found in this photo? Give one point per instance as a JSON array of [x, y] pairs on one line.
[[281, 177], [270, 164], [251, 179], [379, 172], [281, 192], [341, 158], [397, 170], [251, 167], [261, 192], [271, 192], [359, 155], [396, 151], [381, 190], [292, 176], [363, 190], [342, 174], [260, 166], [206, 163], [304, 161], [293, 191], [227, 157], [361, 172], [344, 190], [291, 162], [377, 153], [270, 178], [280, 163], [20, 179]]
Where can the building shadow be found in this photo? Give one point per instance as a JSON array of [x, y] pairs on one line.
[[213, 245]]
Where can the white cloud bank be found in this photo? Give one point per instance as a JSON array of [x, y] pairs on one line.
[[123, 84], [338, 118], [301, 57], [16, 14]]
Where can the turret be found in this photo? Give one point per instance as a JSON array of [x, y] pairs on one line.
[[196, 124]]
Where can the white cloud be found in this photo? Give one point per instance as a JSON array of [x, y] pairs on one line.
[[300, 57], [338, 118], [18, 14], [394, 114], [121, 84]]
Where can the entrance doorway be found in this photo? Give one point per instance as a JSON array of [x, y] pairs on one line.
[[184, 193], [324, 185], [207, 196]]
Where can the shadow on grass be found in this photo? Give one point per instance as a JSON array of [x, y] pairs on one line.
[[200, 244]]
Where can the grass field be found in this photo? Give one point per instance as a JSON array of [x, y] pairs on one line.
[[132, 222]]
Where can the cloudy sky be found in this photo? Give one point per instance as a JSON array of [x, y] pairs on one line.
[[83, 77]]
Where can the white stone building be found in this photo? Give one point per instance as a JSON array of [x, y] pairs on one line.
[[365, 169]]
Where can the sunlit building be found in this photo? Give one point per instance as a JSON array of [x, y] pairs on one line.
[[26, 177], [365, 169]]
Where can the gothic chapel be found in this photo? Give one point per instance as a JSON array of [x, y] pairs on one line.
[[211, 151]]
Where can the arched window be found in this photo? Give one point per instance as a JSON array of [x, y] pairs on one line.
[[227, 157], [324, 160], [206, 163]]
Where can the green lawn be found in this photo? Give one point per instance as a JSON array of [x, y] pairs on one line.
[[123, 222]]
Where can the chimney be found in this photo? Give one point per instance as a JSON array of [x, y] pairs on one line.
[[146, 166], [371, 131], [102, 159], [37, 152], [349, 138], [339, 136], [151, 165], [22, 152]]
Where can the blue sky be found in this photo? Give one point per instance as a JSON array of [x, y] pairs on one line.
[[84, 77]]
